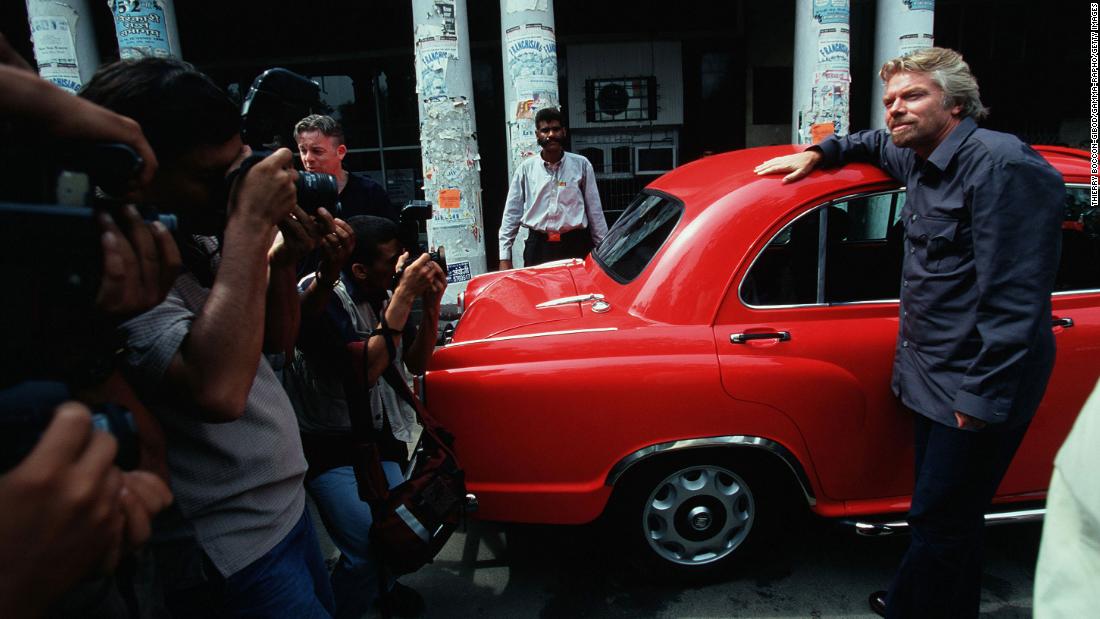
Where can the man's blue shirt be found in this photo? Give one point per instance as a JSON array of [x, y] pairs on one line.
[[982, 221]]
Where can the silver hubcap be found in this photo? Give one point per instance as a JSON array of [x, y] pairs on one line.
[[698, 515]]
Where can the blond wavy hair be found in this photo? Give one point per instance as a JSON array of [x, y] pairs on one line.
[[948, 70]]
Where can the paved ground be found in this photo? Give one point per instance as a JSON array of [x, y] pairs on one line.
[[563, 572]]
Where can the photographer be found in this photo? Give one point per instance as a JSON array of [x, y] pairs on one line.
[[347, 303], [240, 542], [66, 500]]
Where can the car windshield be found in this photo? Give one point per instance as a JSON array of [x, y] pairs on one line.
[[635, 238]]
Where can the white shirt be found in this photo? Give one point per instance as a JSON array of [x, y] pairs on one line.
[[1068, 570], [552, 197]]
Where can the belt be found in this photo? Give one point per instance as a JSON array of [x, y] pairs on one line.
[[555, 237]]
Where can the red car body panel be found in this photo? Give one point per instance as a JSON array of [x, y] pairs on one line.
[[545, 402]]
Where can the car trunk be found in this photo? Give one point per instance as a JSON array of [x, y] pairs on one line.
[[512, 302]]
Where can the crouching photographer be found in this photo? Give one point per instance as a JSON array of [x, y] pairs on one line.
[[239, 542], [348, 382]]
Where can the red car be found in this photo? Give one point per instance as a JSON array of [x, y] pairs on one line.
[[727, 349]]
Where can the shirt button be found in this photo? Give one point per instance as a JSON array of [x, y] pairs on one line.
[[912, 250], [905, 344], [905, 283], [912, 218]]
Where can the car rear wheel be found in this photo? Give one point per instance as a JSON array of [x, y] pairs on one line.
[[694, 519]]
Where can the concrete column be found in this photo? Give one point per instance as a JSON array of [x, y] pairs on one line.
[[822, 70], [901, 27], [145, 28], [448, 138], [530, 59], [64, 41]]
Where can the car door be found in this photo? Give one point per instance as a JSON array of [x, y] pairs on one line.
[[1076, 324], [816, 320], [810, 331]]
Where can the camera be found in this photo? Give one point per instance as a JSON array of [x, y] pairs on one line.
[[27, 410], [277, 99], [409, 219]]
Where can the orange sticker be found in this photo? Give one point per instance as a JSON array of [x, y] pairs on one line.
[[450, 198], [820, 131]]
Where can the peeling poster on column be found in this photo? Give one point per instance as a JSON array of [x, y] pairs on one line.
[[141, 28], [532, 60], [831, 11], [436, 47], [55, 51]]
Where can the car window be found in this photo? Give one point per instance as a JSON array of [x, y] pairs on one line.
[[863, 253], [637, 235], [1080, 266], [859, 261]]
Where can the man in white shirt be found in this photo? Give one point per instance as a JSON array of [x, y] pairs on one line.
[[555, 196]]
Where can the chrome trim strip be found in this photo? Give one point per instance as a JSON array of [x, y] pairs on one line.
[[580, 298], [771, 446], [524, 336], [880, 529]]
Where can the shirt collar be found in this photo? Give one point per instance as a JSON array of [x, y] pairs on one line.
[[553, 166], [945, 152], [359, 293]]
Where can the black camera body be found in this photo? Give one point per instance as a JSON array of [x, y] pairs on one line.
[[27, 410], [277, 99], [409, 219]]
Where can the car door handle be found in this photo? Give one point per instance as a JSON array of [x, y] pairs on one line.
[[741, 338], [1065, 323]]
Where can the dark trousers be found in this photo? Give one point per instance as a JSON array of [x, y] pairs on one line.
[[539, 248], [957, 472]]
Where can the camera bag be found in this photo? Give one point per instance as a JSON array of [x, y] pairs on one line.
[[413, 520]]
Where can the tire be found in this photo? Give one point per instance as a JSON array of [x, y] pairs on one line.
[[696, 518]]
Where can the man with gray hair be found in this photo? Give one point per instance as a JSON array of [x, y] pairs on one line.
[[982, 222], [322, 148]]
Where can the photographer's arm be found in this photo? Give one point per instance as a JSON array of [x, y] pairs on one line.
[[336, 246], [216, 363], [38, 103], [420, 352], [419, 278], [298, 235]]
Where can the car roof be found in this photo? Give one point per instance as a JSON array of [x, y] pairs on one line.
[[728, 211]]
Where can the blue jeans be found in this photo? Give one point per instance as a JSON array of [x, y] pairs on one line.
[[289, 581], [348, 520]]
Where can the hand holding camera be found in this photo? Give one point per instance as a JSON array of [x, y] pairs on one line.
[[421, 277], [267, 193], [139, 265]]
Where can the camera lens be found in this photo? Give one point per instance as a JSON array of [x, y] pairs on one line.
[[317, 190]]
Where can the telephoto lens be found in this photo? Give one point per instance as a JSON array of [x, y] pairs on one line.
[[316, 190]]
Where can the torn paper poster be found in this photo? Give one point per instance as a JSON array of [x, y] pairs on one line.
[[515, 6], [433, 56], [55, 50], [450, 160], [532, 59], [909, 43], [833, 50], [831, 11], [141, 28]]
